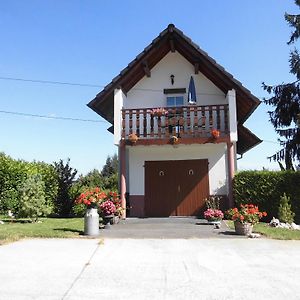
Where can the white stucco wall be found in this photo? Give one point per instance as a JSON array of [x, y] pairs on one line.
[[148, 92], [215, 153]]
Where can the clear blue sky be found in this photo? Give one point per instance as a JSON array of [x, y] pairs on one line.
[[91, 41]]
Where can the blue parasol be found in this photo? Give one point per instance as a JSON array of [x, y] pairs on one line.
[[192, 92]]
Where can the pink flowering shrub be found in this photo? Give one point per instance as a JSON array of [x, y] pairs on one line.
[[213, 214], [107, 208]]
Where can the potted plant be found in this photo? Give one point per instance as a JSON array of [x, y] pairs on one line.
[[213, 214], [158, 112], [215, 133], [133, 138], [115, 198], [108, 210], [91, 199], [174, 140], [245, 217]]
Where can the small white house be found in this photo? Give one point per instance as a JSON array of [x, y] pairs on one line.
[[177, 118]]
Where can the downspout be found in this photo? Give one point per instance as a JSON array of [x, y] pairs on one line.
[[230, 159], [122, 157], [241, 156]]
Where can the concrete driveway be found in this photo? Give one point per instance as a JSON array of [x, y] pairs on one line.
[[166, 228], [150, 269]]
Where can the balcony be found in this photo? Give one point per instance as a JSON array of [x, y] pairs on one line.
[[190, 124]]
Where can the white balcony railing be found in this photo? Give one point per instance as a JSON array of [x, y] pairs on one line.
[[184, 121]]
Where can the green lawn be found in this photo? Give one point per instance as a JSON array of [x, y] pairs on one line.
[[271, 232], [48, 228], [73, 227]]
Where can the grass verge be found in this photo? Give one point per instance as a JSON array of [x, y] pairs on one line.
[[48, 228], [271, 232]]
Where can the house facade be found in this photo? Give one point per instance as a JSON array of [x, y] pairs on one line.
[[177, 118]]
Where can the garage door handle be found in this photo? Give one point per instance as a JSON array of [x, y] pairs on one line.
[[178, 188]]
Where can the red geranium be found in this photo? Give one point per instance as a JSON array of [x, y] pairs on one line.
[[247, 213], [91, 198], [215, 133]]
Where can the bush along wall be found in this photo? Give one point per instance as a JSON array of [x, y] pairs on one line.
[[264, 188]]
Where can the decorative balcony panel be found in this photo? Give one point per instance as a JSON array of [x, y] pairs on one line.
[[184, 122]]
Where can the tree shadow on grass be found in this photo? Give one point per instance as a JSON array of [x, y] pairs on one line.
[[80, 232], [16, 221]]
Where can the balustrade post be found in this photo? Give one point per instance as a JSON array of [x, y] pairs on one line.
[[145, 122], [137, 120], [123, 124]]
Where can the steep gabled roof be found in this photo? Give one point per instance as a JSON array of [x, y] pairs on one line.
[[172, 39]]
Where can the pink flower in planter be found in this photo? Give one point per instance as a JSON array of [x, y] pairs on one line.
[[213, 214], [158, 112], [107, 208]]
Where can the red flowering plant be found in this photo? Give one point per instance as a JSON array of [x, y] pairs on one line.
[[247, 213], [91, 198], [215, 133], [107, 208]]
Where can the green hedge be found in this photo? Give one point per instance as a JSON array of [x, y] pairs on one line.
[[14, 172], [264, 189]]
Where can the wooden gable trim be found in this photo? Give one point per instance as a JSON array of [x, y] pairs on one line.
[[245, 106], [137, 72]]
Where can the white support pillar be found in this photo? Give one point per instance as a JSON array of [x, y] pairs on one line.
[[231, 154], [119, 99], [231, 99]]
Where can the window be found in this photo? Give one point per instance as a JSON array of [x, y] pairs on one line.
[[175, 101]]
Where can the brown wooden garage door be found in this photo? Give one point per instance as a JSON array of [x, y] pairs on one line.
[[175, 187]]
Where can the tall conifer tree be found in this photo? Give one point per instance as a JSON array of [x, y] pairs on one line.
[[286, 102]]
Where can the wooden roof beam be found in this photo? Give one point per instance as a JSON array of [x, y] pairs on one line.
[[146, 68], [172, 45], [196, 66]]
